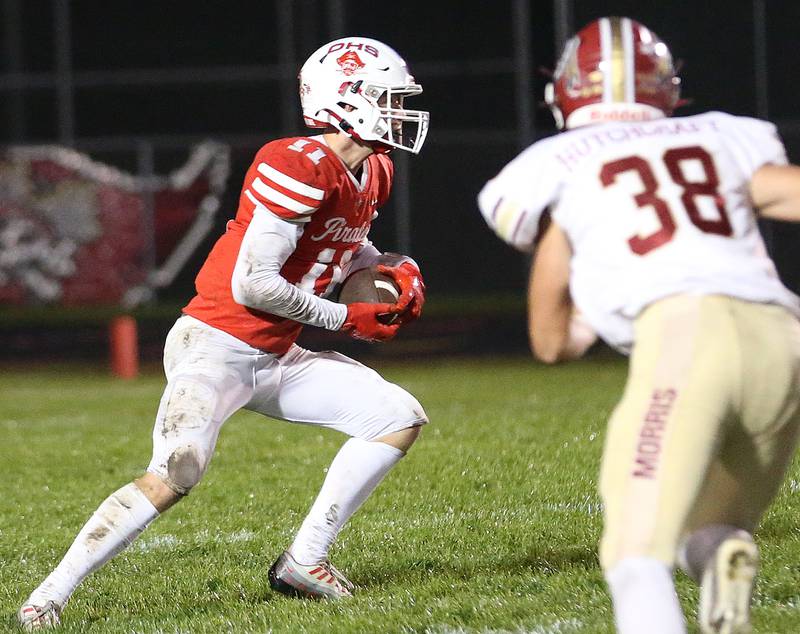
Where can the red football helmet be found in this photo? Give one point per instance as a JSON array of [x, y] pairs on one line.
[[614, 69]]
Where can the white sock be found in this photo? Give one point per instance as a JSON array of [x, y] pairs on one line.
[[354, 473], [644, 597], [113, 527]]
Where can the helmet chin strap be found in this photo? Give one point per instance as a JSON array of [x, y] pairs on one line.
[[342, 125], [376, 146], [368, 128], [550, 100]]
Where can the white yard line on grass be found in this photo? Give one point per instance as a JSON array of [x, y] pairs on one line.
[[559, 626], [168, 542]]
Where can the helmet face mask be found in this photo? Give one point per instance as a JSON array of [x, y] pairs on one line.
[[614, 69], [358, 86]]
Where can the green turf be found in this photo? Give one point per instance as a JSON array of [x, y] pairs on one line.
[[488, 526], [483, 304]]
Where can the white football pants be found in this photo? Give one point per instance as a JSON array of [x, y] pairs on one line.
[[211, 374]]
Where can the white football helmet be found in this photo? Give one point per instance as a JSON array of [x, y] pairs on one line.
[[357, 85]]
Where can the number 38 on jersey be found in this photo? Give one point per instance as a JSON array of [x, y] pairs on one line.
[[684, 165]]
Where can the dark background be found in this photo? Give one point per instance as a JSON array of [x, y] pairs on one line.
[[176, 72]]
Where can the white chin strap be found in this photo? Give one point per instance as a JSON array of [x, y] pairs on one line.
[[608, 112], [550, 100]]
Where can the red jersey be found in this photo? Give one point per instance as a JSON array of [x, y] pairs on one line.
[[298, 179]]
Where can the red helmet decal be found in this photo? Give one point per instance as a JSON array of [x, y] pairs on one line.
[[350, 62]]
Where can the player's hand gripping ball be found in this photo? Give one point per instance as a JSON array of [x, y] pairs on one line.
[[408, 279], [372, 305], [372, 287]]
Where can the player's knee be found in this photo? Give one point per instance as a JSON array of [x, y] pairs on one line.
[[184, 469], [395, 412], [410, 434], [402, 439], [413, 413], [160, 495]]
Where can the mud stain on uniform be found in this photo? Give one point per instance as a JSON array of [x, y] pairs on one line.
[[184, 468], [98, 534], [332, 516], [191, 405]]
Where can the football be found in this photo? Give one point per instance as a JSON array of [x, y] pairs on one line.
[[371, 287]]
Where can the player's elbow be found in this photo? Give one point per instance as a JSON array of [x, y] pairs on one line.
[[240, 292], [259, 290], [244, 292]]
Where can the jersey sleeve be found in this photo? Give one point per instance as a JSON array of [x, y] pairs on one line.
[[754, 142], [257, 281], [513, 202], [287, 182]]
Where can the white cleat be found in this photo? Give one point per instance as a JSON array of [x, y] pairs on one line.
[[308, 581], [39, 617], [727, 588]]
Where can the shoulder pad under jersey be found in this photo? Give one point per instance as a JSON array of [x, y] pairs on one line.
[[754, 142], [512, 203], [291, 177]]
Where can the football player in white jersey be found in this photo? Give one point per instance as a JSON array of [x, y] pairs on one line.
[[304, 214], [644, 230]]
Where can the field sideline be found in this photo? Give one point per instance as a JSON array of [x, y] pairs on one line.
[[488, 526]]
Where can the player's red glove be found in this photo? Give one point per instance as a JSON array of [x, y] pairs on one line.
[[412, 289], [363, 321]]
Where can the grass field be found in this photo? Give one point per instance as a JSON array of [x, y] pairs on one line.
[[488, 526]]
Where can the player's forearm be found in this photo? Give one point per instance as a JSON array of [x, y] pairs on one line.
[[365, 257], [269, 292], [257, 281], [564, 335], [775, 190], [550, 307], [548, 337], [549, 316]]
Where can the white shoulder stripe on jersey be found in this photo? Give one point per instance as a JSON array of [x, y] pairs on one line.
[[274, 196], [290, 183], [258, 204]]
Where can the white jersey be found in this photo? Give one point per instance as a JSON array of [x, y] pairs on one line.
[[651, 209]]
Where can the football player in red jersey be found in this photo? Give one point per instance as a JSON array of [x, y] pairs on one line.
[[304, 215], [653, 235]]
